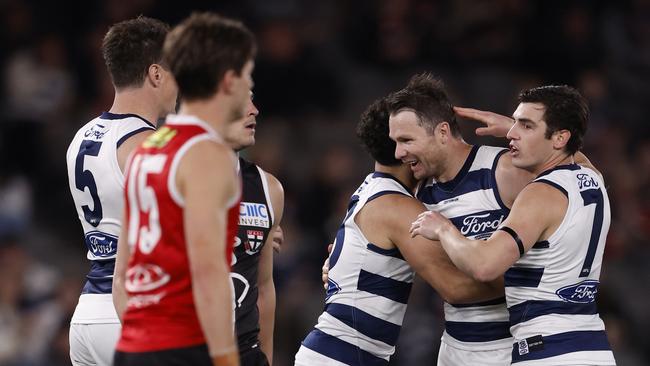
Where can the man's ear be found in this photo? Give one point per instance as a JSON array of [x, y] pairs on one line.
[[155, 75], [560, 139], [443, 131], [228, 81]]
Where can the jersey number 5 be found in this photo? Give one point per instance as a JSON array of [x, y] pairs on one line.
[[84, 179], [142, 199]]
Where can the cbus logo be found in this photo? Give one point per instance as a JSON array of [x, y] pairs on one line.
[[580, 293]]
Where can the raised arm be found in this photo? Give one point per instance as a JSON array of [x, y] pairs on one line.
[[207, 193], [496, 125], [392, 215], [266, 287]]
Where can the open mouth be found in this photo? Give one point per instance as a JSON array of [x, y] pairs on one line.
[[513, 149], [411, 163]]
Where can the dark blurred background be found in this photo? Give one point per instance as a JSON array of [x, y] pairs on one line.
[[320, 64]]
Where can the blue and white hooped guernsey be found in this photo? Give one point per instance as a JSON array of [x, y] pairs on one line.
[[471, 201], [368, 291], [97, 187], [551, 291]]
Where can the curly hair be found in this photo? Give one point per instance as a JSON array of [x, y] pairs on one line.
[[373, 130]]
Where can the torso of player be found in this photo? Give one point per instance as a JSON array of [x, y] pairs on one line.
[[160, 311], [368, 287], [471, 201], [255, 222], [96, 185], [551, 291]]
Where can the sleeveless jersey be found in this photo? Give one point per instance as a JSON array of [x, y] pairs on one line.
[[255, 222], [471, 201], [160, 311], [368, 289], [551, 290], [97, 184]]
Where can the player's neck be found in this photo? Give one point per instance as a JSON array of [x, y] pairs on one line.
[[457, 155], [401, 172], [213, 111], [135, 101], [557, 160]]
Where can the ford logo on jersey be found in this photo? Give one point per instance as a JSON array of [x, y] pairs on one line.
[[480, 225], [581, 293], [101, 244], [253, 214], [96, 132]]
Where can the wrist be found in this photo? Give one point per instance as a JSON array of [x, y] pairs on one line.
[[226, 358]]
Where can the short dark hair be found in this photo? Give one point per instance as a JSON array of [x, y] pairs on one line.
[[202, 48], [373, 130], [130, 47], [565, 109], [427, 97]]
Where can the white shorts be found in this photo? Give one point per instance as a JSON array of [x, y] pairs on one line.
[[450, 356], [307, 357], [93, 344]]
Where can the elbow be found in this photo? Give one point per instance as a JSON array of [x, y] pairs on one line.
[[485, 273], [452, 297]]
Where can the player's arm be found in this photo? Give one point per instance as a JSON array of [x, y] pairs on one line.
[[266, 287], [121, 263], [394, 213], [207, 181], [496, 125], [536, 213]]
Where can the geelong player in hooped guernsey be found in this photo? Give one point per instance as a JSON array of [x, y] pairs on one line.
[[144, 92], [471, 201], [551, 245], [373, 263]]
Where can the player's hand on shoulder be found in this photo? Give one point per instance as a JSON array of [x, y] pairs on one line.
[[495, 124], [429, 225]]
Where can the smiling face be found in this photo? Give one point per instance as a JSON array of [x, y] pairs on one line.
[[416, 147], [529, 147], [240, 134]]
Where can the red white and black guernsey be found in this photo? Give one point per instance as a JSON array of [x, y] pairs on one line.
[[160, 314]]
